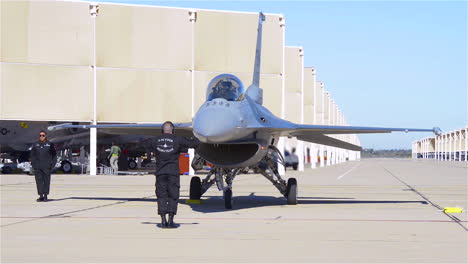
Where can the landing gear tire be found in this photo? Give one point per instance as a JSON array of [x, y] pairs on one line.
[[291, 194], [228, 199], [66, 166], [132, 164], [195, 188]]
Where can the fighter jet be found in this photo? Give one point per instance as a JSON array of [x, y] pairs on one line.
[[237, 131]]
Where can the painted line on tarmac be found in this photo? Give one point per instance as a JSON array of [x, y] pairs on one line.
[[439, 208], [19, 183], [344, 174], [64, 215], [239, 219]]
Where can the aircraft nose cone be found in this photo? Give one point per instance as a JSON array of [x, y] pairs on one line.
[[215, 123]]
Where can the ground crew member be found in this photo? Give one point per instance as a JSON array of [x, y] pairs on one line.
[[43, 160], [114, 157], [167, 148]]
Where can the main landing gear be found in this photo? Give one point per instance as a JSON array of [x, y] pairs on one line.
[[268, 169], [224, 178]]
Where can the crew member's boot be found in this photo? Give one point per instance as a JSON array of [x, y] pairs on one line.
[[45, 198], [40, 199], [163, 221], [170, 223]]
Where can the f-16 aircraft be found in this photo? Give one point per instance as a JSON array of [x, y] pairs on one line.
[[236, 132]]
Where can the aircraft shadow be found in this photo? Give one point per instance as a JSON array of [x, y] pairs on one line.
[[181, 200], [215, 204]]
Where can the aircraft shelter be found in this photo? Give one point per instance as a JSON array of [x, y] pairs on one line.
[[116, 63], [451, 145]]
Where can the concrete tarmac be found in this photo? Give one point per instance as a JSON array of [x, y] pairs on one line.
[[369, 211]]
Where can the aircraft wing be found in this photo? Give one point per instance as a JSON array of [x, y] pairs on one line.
[[318, 133], [304, 129], [182, 129], [329, 141]]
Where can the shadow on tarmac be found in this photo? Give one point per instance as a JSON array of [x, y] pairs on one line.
[[158, 224], [181, 200], [214, 204]]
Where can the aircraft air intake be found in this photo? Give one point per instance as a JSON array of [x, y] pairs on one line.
[[232, 155]]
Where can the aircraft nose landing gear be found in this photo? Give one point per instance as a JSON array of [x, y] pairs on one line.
[[195, 188]]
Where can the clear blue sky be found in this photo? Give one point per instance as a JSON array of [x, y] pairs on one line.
[[392, 64]]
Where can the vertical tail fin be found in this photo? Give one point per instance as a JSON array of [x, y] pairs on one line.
[[254, 90], [258, 51]]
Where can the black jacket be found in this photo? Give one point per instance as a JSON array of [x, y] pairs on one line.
[[167, 149], [43, 155]]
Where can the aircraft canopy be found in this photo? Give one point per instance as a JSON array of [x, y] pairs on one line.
[[225, 86]]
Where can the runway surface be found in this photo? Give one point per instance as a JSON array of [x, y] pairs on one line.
[[374, 210]]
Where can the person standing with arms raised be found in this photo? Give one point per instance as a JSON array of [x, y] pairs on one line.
[[167, 148]]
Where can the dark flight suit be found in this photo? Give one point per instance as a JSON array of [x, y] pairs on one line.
[[43, 159], [167, 148]]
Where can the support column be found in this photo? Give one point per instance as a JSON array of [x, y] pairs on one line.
[[438, 147], [300, 155], [424, 149], [192, 19], [466, 144], [450, 148], [93, 11], [459, 145], [442, 147], [334, 160], [445, 148], [322, 156], [313, 156], [280, 146], [191, 156], [92, 151]]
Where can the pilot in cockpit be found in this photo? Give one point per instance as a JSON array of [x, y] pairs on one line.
[[225, 90], [227, 87]]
